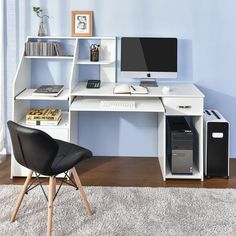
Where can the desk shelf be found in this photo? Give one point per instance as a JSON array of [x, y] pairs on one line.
[[50, 57], [88, 62], [197, 123], [196, 174], [27, 94], [63, 124], [94, 104]]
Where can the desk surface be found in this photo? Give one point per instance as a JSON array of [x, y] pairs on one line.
[[106, 89]]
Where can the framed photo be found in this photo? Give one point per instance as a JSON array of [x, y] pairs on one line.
[[82, 23]]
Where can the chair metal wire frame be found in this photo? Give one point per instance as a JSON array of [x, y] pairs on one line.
[[37, 179]]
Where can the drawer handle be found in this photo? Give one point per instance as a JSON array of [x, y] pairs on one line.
[[185, 107]]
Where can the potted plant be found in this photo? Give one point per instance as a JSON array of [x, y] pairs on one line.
[[39, 12]]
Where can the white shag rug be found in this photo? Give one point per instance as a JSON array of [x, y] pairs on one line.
[[122, 211]]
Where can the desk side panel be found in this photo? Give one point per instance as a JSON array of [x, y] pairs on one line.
[[162, 143], [198, 124], [74, 124]]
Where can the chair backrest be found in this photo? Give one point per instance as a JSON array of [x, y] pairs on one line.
[[32, 148]]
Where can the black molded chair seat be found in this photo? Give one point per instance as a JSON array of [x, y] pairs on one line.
[[68, 155], [39, 152]]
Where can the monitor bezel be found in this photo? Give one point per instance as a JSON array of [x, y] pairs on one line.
[[150, 74]]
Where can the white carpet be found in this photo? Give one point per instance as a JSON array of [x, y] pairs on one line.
[[123, 211]]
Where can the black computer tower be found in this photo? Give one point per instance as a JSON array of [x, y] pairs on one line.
[[216, 143], [180, 145]]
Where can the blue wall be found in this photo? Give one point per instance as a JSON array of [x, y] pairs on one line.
[[207, 57]]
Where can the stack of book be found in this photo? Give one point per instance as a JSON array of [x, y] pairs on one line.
[[48, 116], [43, 49]]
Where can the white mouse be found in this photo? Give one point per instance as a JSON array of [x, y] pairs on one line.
[[166, 89]]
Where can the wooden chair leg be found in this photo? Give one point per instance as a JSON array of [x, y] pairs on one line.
[[82, 193], [52, 188], [21, 196]]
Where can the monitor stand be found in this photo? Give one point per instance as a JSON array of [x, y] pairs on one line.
[[148, 83]]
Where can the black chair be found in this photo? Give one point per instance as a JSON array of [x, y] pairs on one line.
[[44, 155]]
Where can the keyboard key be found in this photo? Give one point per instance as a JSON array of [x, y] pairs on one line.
[[118, 104]]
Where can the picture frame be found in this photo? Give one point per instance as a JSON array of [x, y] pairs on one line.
[[82, 23]]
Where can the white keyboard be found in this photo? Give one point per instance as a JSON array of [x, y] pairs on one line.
[[118, 104]]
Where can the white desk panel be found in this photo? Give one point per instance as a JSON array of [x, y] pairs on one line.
[[106, 89]]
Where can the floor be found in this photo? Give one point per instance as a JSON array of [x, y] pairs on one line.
[[127, 171]]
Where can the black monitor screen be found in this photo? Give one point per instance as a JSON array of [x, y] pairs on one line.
[[149, 54]]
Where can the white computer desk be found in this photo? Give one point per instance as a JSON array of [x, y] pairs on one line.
[[182, 100]]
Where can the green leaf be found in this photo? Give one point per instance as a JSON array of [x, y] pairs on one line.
[[38, 11]]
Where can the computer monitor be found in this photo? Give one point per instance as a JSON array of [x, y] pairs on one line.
[[147, 58]]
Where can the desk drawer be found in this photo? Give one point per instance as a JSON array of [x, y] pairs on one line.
[[183, 106]]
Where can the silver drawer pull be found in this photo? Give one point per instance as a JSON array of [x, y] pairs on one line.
[[185, 107]]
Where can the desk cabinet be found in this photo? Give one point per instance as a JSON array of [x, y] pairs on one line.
[[37, 68], [191, 107], [39, 65]]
